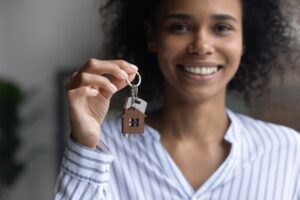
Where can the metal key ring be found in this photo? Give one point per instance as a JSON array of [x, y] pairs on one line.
[[139, 82]]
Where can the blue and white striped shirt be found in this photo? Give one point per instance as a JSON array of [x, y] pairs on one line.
[[263, 164]]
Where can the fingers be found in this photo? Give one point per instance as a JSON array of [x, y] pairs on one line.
[[93, 82], [88, 79], [118, 68], [83, 91], [117, 71], [127, 67], [107, 77]]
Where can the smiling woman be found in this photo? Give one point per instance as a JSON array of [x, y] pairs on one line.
[[197, 36], [190, 52]]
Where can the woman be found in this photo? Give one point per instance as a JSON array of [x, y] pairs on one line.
[[191, 51]]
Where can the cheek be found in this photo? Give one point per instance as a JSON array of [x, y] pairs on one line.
[[169, 50], [234, 51], [170, 46]]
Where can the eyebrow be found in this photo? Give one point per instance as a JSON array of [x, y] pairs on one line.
[[224, 17], [186, 17]]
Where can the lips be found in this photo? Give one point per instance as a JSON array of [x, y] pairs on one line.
[[203, 69]]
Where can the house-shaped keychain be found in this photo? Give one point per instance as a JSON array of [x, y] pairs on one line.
[[133, 117]]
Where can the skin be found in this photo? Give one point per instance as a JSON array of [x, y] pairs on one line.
[[89, 96], [193, 120]]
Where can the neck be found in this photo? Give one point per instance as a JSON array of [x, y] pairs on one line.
[[197, 121]]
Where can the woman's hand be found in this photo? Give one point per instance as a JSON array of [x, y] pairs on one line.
[[89, 92]]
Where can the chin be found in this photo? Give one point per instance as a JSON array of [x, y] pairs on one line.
[[196, 96]]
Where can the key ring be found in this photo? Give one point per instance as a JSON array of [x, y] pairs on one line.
[[139, 82]]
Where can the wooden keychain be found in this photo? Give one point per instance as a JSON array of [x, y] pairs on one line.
[[133, 118]]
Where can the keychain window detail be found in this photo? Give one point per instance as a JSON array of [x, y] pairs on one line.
[[134, 122]]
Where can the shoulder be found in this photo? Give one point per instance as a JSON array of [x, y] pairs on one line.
[[257, 126], [263, 142], [111, 129], [267, 136], [113, 124], [111, 135]]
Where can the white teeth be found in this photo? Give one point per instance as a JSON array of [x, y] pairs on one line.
[[201, 70]]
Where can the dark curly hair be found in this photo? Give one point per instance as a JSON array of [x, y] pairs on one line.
[[267, 34]]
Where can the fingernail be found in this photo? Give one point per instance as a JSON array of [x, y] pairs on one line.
[[135, 68], [125, 75], [114, 88], [94, 92]]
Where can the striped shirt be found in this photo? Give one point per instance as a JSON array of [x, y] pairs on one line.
[[263, 164]]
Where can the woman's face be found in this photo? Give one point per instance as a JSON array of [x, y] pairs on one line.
[[199, 46]]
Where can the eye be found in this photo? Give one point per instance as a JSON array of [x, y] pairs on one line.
[[179, 28], [222, 28]]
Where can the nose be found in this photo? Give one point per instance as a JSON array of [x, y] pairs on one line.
[[201, 44]]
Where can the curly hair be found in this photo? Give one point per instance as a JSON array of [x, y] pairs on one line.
[[267, 35]]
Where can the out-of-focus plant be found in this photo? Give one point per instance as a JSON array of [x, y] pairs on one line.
[[10, 99]]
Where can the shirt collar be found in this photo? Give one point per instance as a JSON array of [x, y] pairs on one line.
[[232, 135]]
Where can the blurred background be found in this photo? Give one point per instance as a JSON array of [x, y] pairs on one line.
[[41, 43]]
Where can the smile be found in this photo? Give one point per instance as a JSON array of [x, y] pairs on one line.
[[200, 70]]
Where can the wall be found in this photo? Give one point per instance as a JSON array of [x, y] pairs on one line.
[[37, 39], [3, 24]]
